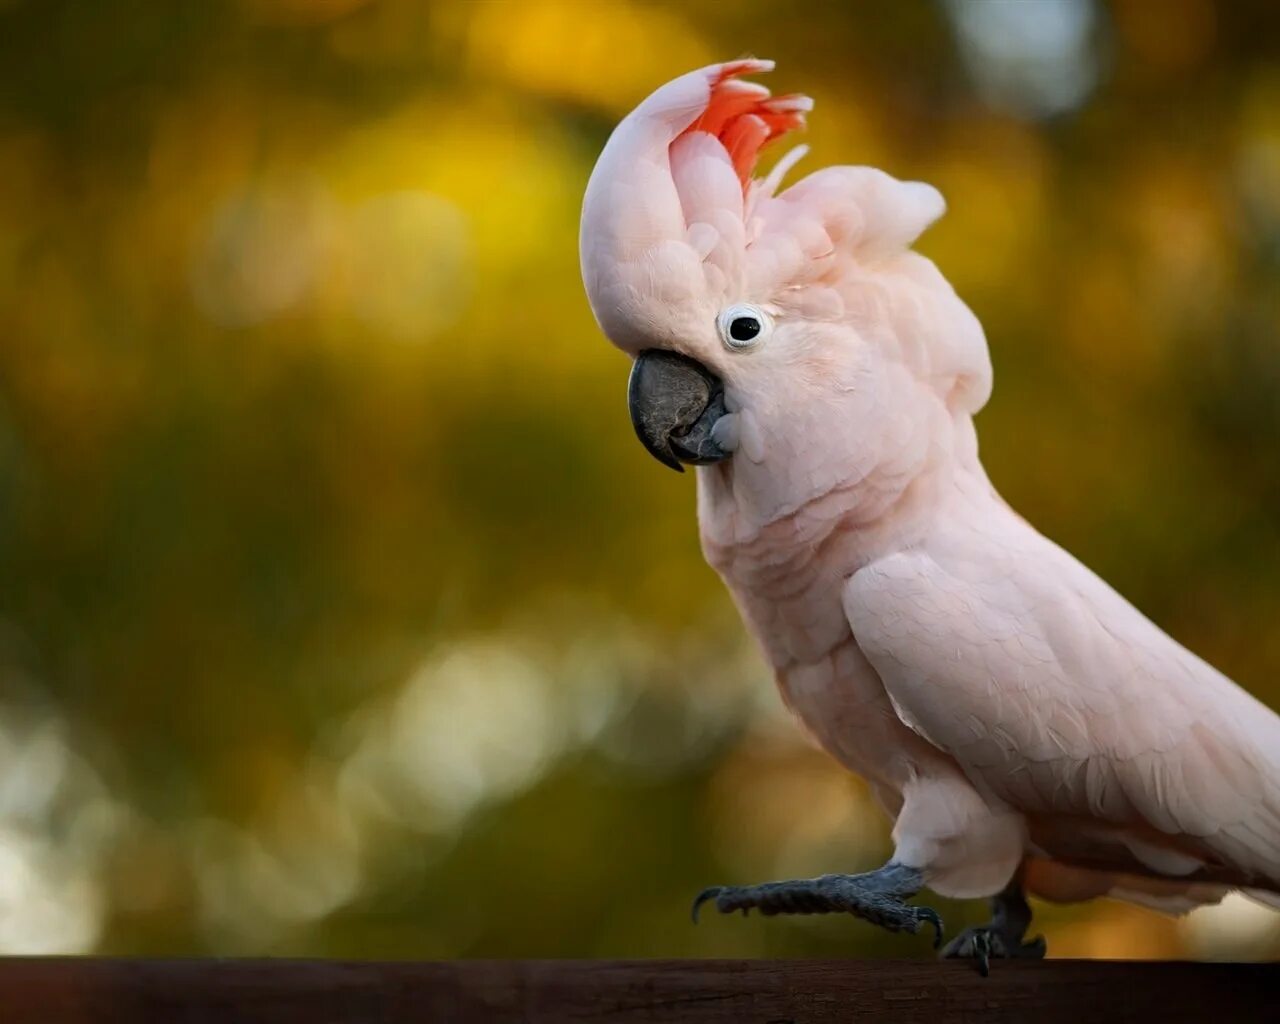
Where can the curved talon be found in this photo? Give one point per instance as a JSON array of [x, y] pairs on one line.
[[982, 952], [931, 916], [709, 893]]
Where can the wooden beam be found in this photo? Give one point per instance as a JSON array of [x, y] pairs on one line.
[[103, 991]]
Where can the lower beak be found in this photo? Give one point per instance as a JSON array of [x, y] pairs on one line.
[[675, 401]]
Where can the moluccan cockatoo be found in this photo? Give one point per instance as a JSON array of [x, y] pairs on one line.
[[1025, 727]]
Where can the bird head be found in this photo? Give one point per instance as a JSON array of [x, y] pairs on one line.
[[792, 335]]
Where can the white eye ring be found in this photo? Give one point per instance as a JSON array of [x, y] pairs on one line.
[[735, 326]]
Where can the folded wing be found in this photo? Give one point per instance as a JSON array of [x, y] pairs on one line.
[[1126, 752]]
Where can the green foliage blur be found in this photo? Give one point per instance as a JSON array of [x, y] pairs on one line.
[[341, 613]]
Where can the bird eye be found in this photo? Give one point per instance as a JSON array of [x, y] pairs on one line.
[[743, 326]]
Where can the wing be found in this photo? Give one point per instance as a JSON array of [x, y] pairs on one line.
[[1124, 750]]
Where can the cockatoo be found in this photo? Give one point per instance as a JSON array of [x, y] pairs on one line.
[[1026, 728]]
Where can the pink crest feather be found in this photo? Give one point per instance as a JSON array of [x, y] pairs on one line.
[[745, 117]]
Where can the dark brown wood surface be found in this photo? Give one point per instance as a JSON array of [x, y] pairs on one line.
[[62, 991]]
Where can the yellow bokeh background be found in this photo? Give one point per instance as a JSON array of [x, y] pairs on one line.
[[341, 613]]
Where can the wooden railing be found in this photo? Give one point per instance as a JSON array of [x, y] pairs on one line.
[[62, 991]]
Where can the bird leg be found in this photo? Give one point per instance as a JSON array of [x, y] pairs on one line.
[[877, 896], [1001, 937]]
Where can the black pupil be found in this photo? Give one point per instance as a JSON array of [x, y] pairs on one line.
[[744, 328]]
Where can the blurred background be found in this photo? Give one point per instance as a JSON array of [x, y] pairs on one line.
[[340, 611]]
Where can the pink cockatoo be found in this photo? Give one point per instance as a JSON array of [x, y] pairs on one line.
[[1025, 727]]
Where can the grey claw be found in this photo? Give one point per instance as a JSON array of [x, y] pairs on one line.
[[710, 893], [931, 916], [982, 952], [983, 944]]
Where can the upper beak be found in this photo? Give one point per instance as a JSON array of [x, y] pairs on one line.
[[675, 401]]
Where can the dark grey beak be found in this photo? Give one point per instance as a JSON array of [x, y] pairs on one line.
[[675, 401]]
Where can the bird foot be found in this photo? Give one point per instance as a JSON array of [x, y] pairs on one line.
[[982, 943], [877, 896]]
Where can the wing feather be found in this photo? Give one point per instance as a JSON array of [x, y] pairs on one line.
[[1058, 697]]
